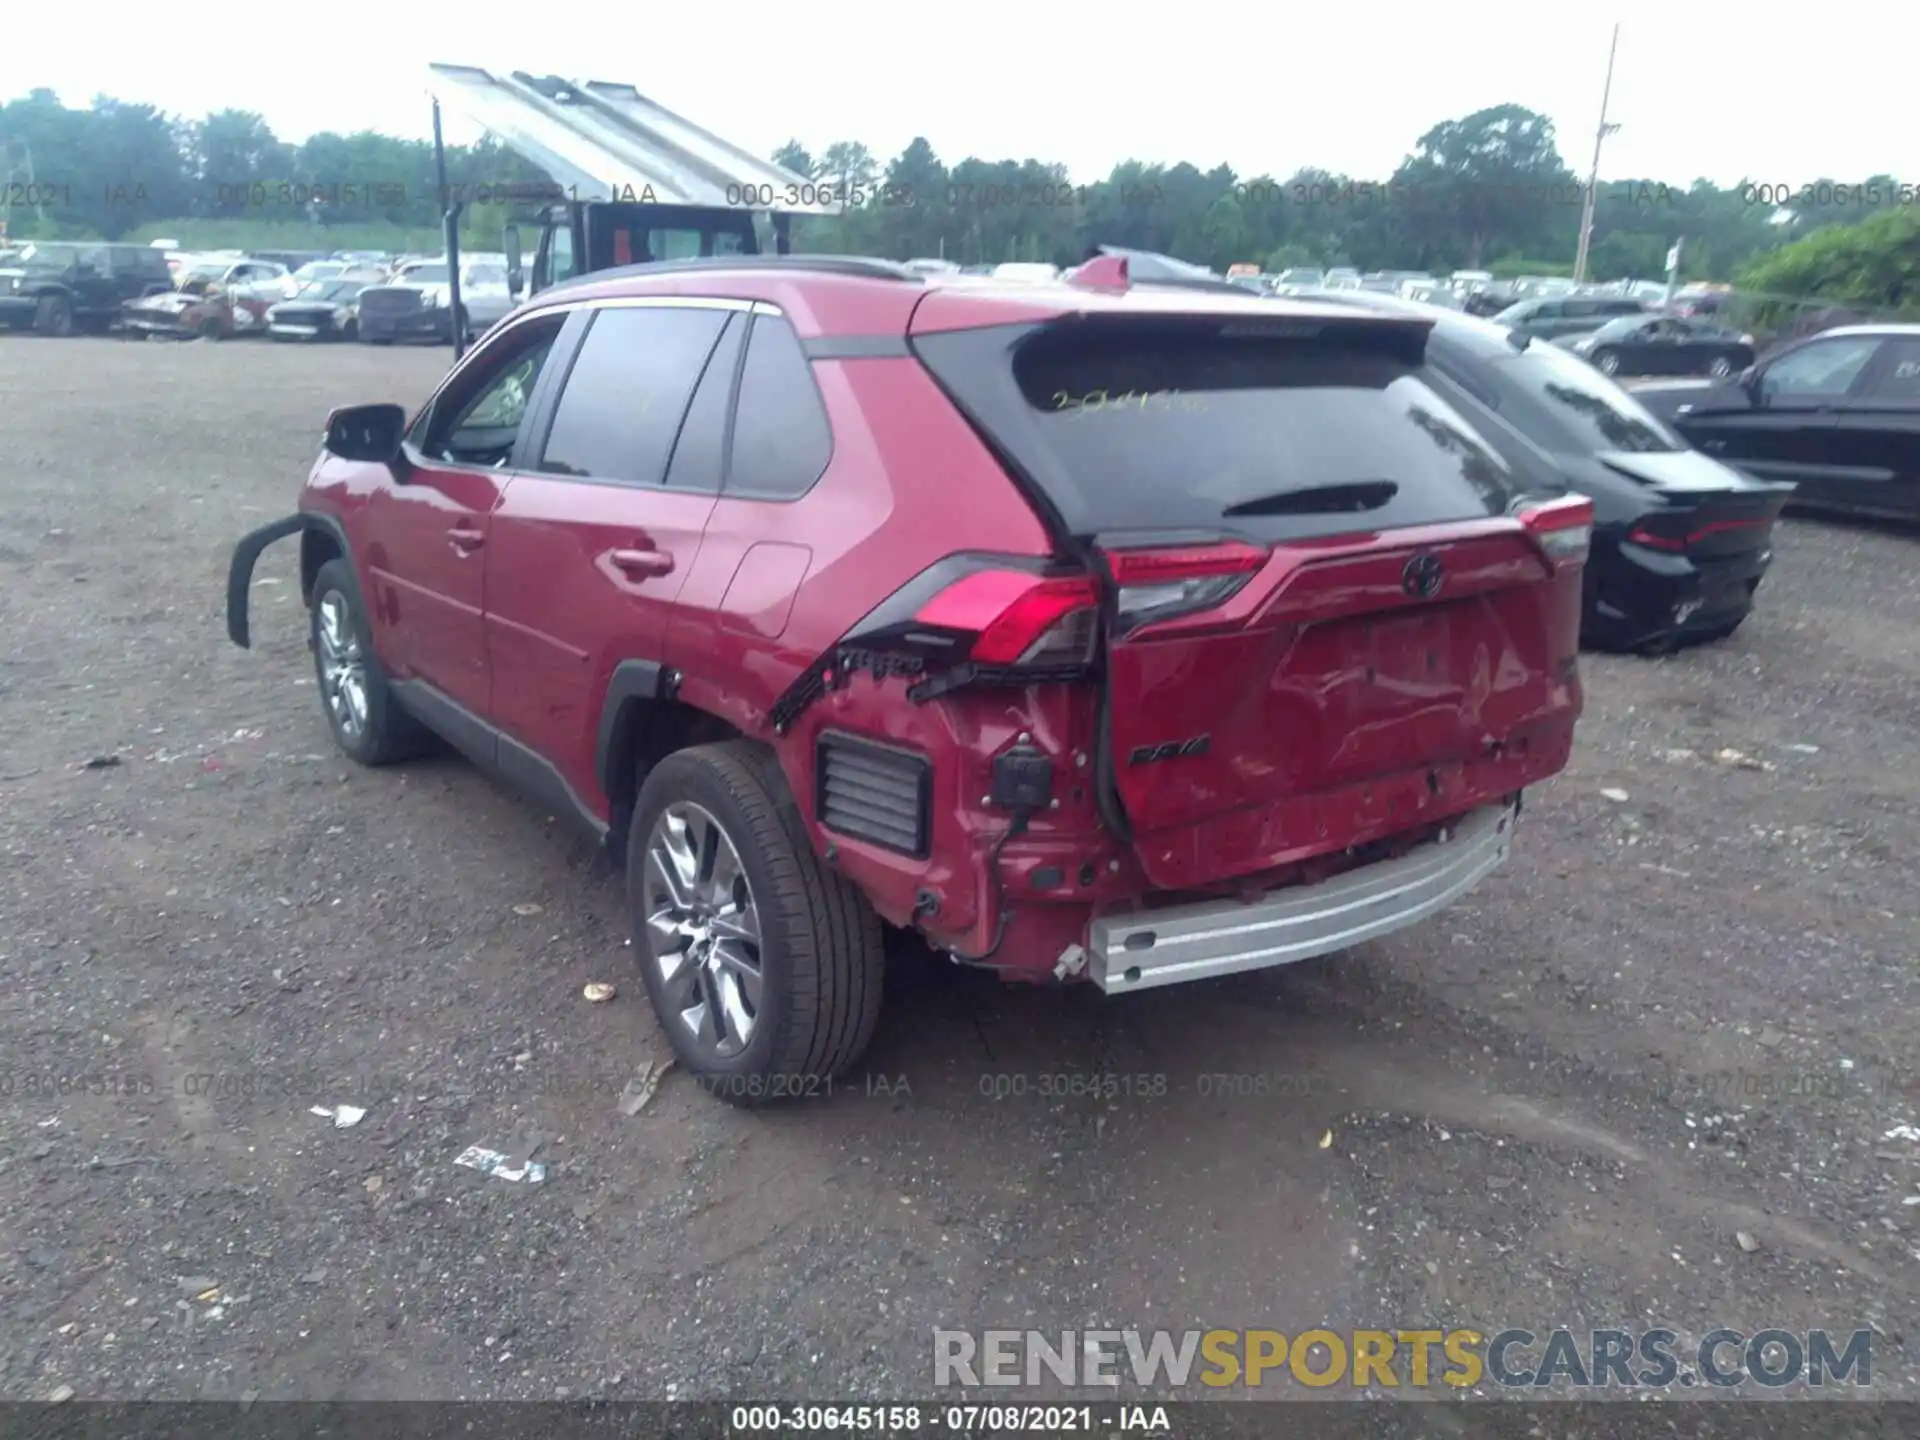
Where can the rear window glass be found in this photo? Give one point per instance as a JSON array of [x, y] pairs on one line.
[[1188, 426], [1558, 401]]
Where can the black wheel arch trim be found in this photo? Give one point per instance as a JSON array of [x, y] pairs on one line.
[[247, 552], [633, 686]]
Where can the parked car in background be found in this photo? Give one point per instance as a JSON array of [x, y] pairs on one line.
[[321, 310], [1067, 720], [417, 303], [1665, 345], [291, 284], [1299, 277], [57, 288], [1838, 415], [1680, 541], [1555, 316], [214, 301]]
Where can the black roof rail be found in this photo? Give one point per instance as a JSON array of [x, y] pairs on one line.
[[858, 267]]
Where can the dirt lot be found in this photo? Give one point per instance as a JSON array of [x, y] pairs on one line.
[[1675, 1019]]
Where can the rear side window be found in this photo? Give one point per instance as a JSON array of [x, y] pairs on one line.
[[627, 392], [781, 438], [1899, 382], [1201, 425]]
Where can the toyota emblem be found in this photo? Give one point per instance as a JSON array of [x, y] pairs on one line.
[[1421, 579]]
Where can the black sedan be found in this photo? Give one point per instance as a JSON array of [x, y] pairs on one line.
[[1680, 541], [1665, 345], [321, 310], [1837, 414]]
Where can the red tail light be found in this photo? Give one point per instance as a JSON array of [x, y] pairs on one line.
[[1641, 535], [1018, 618], [1678, 544], [1162, 583], [1564, 527]]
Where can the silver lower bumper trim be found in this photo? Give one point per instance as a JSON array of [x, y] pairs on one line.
[[1144, 949]]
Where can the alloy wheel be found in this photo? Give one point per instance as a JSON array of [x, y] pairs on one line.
[[1607, 364], [343, 666], [1721, 367], [703, 930]]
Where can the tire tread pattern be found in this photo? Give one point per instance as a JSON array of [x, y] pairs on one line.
[[392, 734], [829, 937]]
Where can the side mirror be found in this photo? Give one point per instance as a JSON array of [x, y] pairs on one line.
[[510, 243], [367, 432]]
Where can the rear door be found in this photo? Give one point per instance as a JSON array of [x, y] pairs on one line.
[[596, 535], [1321, 621], [1876, 439]]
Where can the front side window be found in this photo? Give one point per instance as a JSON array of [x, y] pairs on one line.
[[476, 420]]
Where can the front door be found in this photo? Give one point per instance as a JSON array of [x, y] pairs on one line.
[[597, 535], [1786, 432], [428, 531]]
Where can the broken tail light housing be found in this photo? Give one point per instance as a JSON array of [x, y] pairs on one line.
[[1563, 528], [1017, 618], [1163, 583]]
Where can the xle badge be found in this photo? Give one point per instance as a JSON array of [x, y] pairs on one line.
[[1421, 579], [1172, 750]]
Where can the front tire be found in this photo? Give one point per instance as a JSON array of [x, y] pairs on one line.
[[764, 967], [366, 717], [1607, 362], [1721, 367], [53, 316]]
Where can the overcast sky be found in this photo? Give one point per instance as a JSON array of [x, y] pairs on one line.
[[1782, 98]]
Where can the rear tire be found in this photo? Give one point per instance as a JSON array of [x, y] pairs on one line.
[[53, 316], [366, 717], [807, 980], [1607, 362]]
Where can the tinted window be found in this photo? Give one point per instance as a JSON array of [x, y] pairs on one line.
[[1824, 369], [1580, 309], [1202, 424], [1899, 381], [627, 393], [1558, 401], [700, 454], [781, 439]]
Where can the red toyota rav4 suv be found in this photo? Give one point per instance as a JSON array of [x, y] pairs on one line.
[[1094, 631]]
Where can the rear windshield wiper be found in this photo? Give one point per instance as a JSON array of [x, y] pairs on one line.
[[1320, 500]]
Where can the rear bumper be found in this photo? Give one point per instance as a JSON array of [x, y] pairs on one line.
[[1636, 596], [1146, 949]]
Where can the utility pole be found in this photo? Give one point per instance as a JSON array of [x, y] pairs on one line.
[[1593, 178]]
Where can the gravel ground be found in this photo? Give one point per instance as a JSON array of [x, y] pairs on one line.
[[1676, 1019]]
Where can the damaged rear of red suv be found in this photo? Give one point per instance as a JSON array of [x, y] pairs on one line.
[[1127, 633], [1300, 641]]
